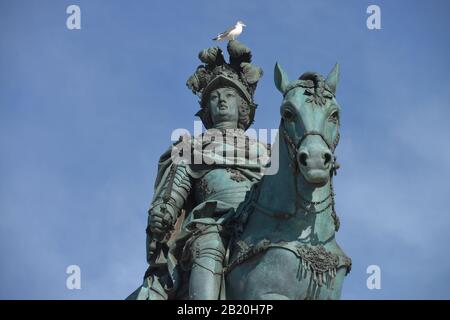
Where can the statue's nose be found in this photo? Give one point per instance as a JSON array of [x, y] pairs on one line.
[[314, 157], [327, 156], [303, 156]]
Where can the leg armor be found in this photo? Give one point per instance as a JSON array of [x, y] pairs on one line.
[[208, 252]]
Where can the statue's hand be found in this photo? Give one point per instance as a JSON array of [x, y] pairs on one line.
[[161, 221]]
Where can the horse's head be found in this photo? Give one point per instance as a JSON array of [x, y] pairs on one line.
[[310, 122]]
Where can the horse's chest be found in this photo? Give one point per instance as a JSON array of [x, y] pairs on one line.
[[288, 271]]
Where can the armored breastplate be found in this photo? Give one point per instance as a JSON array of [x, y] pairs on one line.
[[224, 184]]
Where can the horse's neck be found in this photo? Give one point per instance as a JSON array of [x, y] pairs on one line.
[[278, 191], [285, 192]]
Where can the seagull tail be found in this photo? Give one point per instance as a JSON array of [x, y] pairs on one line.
[[219, 37]]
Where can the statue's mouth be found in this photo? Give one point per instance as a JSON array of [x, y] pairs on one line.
[[223, 107], [316, 175]]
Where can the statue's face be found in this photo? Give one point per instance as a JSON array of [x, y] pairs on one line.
[[224, 106]]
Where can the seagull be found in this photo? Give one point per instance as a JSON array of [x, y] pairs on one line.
[[231, 33]]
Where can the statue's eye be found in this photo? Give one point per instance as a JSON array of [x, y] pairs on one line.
[[309, 92], [334, 117], [229, 95], [288, 115]]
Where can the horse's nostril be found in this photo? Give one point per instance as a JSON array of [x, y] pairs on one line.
[[327, 157], [302, 158]]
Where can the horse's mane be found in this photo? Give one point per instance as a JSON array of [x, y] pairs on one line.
[[315, 77], [320, 86]]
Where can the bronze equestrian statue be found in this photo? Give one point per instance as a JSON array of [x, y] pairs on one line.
[[219, 228]]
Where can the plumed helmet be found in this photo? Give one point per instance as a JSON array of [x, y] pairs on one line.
[[216, 73]]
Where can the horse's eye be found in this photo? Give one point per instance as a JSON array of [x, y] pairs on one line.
[[334, 117], [288, 115]]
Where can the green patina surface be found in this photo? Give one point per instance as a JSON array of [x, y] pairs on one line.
[[223, 229]]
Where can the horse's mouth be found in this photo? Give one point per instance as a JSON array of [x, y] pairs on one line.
[[316, 176]]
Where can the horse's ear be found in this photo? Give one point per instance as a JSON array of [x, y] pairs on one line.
[[281, 78], [333, 78]]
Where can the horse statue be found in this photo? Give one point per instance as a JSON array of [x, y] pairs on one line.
[[284, 244]]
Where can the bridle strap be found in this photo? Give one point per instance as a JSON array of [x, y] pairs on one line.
[[312, 133], [294, 146]]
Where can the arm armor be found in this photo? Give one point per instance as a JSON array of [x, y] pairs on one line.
[[172, 196], [175, 190]]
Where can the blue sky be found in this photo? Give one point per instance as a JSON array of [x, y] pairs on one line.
[[85, 114]]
